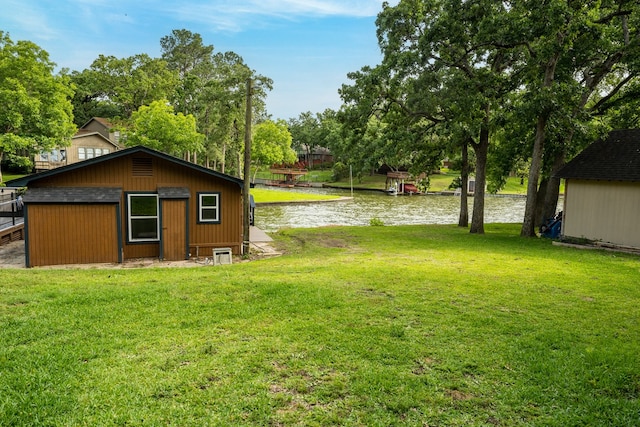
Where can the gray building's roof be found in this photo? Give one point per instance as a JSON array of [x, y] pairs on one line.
[[174, 193], [615, 158], [73, 195]]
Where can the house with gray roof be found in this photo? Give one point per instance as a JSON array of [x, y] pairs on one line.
[[602, 191], [95, 138]]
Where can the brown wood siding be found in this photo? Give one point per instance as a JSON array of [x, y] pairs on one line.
[[118, 172], [228, 233], [139, 250], [174, 229], [72, 234]]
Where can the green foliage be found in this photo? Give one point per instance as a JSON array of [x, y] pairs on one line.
[[185, 52], [17, 164], [212, 87], [272, 144], [525, 84], [196, 80], [157, 126], [305, 132], [413, 325], [36, 113], [446, 68], [310, 131], [340, 171], [456, 183], [119, 86]]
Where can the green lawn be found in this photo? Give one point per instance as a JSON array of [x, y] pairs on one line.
[[437, 183], [314, 175], [9, 176], [354, 326], [268, 195]]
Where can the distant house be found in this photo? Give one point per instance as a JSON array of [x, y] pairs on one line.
[[602, 191], [314, 157], [104, 127], [95, 138], [127, 204]]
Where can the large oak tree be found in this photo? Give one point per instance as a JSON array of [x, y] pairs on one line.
[[447, 66]]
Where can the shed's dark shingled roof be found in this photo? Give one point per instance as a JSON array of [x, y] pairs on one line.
[[173, 193], [73, 195], [616, 158]]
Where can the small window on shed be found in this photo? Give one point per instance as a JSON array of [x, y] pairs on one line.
[[142, 166], [209, 208]]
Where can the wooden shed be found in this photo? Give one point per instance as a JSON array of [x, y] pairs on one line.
[[132, 203], [602, 191]]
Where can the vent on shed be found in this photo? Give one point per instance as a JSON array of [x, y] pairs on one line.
[[142, 166]]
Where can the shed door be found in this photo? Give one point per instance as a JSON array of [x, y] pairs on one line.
[[72, 234], [174, 230]]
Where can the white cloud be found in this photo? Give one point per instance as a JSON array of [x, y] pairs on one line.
[[226, 15], [317, 7]]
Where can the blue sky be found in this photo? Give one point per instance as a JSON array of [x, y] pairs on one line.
[[306, 46]]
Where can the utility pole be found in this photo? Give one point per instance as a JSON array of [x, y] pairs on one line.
[[247, 172]]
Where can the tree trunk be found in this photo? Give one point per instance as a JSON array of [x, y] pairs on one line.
[[540, 198], [553, 187], [529, 222], [463, 220], [224, 156], [481, 149]]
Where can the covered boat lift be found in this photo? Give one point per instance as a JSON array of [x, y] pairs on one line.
[[396, 183], [288, 177]]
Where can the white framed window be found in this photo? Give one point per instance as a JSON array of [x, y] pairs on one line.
[[143, 219], [98, 152], [90, 154], [82, 153], [209, 208]]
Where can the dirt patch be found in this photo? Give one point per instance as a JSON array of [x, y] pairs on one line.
[[12, 255], [458, 395], [333, 243]]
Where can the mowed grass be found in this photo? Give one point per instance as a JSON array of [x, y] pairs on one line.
[[354, 326], [266, 195], [438, 182]]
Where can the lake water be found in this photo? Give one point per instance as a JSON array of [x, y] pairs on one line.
[[391, 210]]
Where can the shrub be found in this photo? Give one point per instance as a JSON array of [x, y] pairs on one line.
[[340, 171], [456, 183], [17, 164], [376, 222]]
